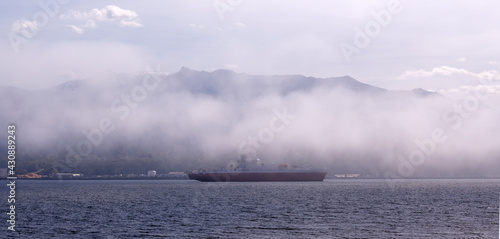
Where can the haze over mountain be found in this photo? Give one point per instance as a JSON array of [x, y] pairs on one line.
[[192, 119]]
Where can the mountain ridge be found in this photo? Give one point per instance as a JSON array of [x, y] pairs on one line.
[[221, 78]]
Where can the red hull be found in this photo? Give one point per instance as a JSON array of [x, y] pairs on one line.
[[257, 176]]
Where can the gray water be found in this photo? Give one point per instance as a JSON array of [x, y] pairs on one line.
[[191, 209]]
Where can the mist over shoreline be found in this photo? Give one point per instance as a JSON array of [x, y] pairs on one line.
[[192, 119]]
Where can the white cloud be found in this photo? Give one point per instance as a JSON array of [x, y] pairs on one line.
[[111, 13], [90, 24], [134, 24], [78, 30], [232, 67], [448, 71], [194, 26], [24, 27], [462, 59], [239, 24]]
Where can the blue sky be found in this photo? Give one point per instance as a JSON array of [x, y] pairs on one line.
[[444, 46]]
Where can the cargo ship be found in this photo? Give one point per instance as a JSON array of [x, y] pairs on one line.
[[255, 171]]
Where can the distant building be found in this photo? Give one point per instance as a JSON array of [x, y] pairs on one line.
[[348, 175], [176, 174], [68, 175], [152, 173]]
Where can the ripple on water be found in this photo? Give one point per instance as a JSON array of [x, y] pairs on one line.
[[189, 209]]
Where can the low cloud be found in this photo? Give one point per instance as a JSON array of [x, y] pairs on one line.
[[194, 119]]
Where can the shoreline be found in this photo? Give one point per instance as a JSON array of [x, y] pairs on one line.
[[187, 179]]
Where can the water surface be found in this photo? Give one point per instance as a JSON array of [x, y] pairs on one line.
[[191, 209]]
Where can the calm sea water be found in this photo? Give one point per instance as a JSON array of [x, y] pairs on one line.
[[191, 209]]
